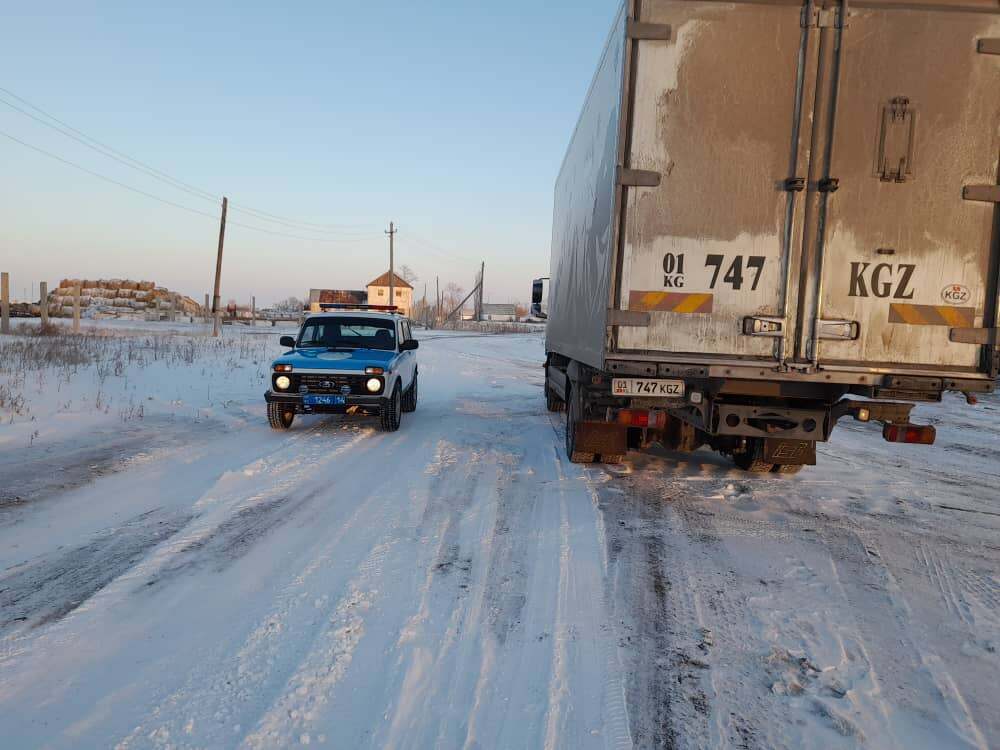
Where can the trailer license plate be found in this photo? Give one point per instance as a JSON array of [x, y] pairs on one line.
[[644, 387]]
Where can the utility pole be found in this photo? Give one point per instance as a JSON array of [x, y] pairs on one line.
[[5, 302], [482, 275], [392, 270], [43, 302], [216, 312]]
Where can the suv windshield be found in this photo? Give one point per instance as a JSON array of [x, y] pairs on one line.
[[349, 333]]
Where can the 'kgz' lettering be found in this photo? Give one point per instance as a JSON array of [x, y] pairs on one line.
[[884, 280]]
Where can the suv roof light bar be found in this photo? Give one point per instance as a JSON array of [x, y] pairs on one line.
[[348, 306]]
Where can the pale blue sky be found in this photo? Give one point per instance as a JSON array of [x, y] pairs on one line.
[[450, 118]]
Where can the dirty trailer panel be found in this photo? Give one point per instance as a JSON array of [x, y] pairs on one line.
[[917, 121], [768, 165], [707, 247]]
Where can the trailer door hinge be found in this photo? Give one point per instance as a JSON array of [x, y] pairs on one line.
[[989, 46], [821, 18], [630, 318], [981, 336], [652, 32], [982, 193], [638, 177]]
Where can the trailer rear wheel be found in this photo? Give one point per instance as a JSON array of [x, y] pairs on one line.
[[752, 459], [552, 401], [574, 415]]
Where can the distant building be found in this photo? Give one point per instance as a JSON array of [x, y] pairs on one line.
[[500, 313], [318, 297], [378, 293]]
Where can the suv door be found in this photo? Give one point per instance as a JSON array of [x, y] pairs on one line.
[[407, 360]]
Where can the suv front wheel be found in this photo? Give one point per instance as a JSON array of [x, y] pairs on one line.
[[410, 399], [279, 416], [391, 413]]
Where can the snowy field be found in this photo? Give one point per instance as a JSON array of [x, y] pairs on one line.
[[175, 574]]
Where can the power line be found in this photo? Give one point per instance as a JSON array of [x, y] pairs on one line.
[[77, 135], [430, 246], [167, 201]]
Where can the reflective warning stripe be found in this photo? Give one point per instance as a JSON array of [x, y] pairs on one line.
[[933, 315], [677, 302]]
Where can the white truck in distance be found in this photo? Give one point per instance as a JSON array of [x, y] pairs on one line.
[[773, 216]]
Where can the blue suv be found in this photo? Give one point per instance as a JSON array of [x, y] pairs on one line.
[[353, 361]]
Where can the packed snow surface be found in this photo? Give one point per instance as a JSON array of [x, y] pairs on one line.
[[173, 573]]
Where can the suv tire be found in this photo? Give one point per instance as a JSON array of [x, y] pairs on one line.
[[279, 416], [391, 414], [410, 397]]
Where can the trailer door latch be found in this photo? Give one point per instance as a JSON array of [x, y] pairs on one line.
[[758, 326], [838, 330], [795, 184], [829, 185]]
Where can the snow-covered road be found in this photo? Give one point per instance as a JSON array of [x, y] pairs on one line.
[[194, 579]]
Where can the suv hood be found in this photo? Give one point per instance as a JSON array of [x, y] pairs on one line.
[[347, 361]]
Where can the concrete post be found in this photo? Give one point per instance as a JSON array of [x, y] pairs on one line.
[[253, 312], [43, 302], [76, 309], [4, 302], [207, 308]]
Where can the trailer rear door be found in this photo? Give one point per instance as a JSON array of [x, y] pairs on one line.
[[714, 114], [905, 258]]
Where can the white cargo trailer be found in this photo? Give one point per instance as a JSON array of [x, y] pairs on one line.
[[773, 215]]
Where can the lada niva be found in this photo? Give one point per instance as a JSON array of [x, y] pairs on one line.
[[356, 360]]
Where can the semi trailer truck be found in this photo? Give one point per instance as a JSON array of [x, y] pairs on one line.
[[773, 216]]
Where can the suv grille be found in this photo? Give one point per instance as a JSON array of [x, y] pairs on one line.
[[332, 383]]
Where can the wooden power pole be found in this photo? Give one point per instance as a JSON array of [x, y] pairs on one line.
[[4, 302], [392, 270], [216, 312]]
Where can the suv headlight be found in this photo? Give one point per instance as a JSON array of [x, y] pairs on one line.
[[374, 385], [282, 382]]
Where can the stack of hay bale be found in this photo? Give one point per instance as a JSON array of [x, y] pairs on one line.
[[119, 298]]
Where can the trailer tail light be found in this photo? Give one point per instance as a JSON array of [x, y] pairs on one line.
[[909, 433], [653, 420]]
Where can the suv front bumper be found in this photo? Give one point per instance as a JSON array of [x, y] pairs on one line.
[[354, 400]]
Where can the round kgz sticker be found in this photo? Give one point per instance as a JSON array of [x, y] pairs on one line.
[[956, 294]]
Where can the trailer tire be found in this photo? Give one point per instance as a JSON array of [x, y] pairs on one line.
[[574, 415], [752, 459], [552, 402], [279, 416]]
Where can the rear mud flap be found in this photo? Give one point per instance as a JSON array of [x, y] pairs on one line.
[[601, 439], [789, 452]]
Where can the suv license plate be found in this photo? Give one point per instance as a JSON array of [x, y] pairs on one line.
[[645, 387], [322, 400]]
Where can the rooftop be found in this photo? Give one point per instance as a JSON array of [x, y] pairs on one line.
[[383, 280]]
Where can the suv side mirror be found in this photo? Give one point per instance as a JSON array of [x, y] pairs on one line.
[[409, 346], [288, 341]]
